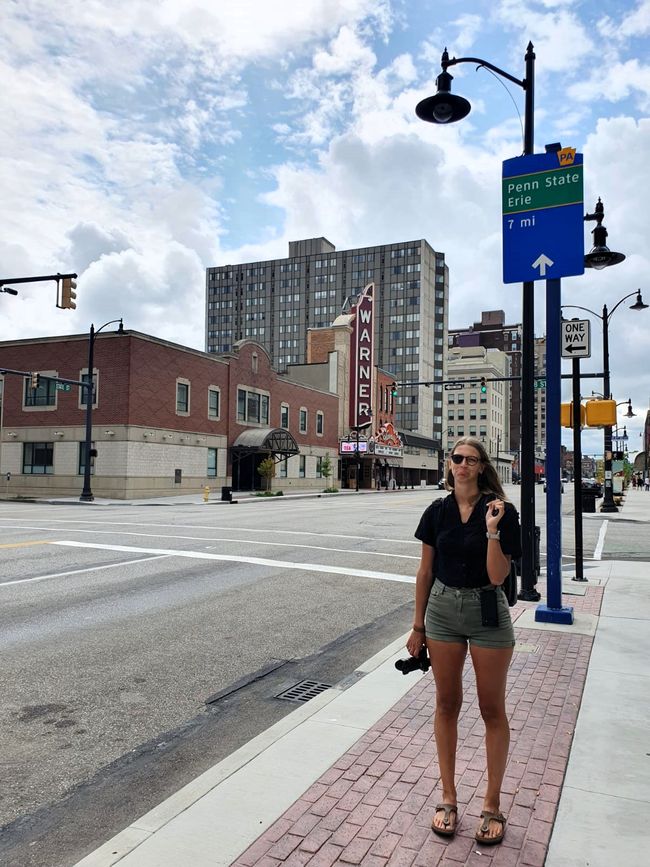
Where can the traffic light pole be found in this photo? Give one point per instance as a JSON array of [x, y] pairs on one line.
[[68, 282]]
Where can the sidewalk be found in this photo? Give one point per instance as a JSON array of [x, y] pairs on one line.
[[351, 777], [215, 498]]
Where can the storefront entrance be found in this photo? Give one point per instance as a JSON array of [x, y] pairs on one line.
[[252, 447]]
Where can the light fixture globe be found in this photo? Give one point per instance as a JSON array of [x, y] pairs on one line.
[[600, 256], [444, 106]]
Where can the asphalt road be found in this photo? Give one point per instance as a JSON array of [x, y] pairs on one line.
[[142, 644]]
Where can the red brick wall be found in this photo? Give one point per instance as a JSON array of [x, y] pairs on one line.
[[282, 391], [155, 368], [68, 358], [137, 386]]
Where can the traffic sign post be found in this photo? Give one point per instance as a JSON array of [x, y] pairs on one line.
[[543, 207], [576, 338]]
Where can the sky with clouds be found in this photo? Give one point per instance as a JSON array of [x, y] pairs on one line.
[[145, 140]]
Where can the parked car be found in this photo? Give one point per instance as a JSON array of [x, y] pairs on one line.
[[561, 486], [592, 486]]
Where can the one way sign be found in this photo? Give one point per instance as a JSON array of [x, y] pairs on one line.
[[576, 338]]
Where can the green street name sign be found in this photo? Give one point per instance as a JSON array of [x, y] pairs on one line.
[[540, 383], [550, 189], [63, 386]]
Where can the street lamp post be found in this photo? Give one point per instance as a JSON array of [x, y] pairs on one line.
[[446, 107], [608, 504], [87, 494]]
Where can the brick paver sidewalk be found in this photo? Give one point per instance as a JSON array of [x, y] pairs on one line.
[[374, 806]]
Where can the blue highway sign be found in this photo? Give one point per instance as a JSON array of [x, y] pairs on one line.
[[543, 216]]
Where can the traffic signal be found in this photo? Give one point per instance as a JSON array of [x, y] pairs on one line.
[[483, 385], [34, 380], [393, 390], [68, 294]]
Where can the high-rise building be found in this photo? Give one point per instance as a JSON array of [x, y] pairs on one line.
[[276, 301], [492, 332], [540, 403], [478, 402]]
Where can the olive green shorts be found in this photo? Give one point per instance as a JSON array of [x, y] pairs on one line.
[[454, 614]]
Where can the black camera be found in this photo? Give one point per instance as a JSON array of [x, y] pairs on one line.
[[413, 663]]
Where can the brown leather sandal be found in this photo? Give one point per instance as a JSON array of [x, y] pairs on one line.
[[484, 828], [448, 810]]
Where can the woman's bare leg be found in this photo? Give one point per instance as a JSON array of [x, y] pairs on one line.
[[447, 660], [491, 667]]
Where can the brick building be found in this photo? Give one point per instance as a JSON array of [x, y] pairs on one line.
[[167, 419]]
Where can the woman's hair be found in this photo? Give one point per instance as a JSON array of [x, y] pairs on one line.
[[488, 481]]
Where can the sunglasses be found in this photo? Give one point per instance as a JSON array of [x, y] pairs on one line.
[[470, 460]]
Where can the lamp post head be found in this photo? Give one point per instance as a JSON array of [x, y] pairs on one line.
[[600, 256], [444, 106], [629, 413], [638, 304]]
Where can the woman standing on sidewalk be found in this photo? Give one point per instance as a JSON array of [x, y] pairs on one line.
[[471, 536]]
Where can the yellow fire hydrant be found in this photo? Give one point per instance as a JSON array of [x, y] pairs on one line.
[[206, 494]]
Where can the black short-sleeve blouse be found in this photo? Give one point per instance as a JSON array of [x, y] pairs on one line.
[[461, 549]]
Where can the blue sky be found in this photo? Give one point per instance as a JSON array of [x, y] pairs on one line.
[[145, 140]]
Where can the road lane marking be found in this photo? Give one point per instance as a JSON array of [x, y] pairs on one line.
[[25, 544], [254, 561], [600, 544], [237, 541], [79, 571], [258, 530]]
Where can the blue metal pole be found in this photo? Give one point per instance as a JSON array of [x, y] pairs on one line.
[[553, 611]]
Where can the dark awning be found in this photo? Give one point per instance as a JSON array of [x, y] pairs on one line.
[[411, 439], [277, 441]]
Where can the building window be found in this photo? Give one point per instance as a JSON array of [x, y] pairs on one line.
[[214, 396], [252, 407], [81, 463], [303, 462], [319, 468], [212, 463], [182, 397], [38, 458], [282, 469], [44, 395], [320, 421], [284, 416], [255, 362], [303, 421]]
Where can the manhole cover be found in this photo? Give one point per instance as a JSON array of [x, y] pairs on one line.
[[522, 647], [304, 690]]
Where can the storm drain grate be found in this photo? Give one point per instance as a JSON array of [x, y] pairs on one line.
[[304, 690]]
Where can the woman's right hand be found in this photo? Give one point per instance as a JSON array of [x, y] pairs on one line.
[[415, 643]]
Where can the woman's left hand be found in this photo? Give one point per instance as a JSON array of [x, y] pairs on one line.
[[493, 514]]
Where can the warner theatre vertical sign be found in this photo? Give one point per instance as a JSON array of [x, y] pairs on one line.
[[362, 352]]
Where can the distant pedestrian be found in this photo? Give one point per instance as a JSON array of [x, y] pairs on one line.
[[633, 481], [646, 483], [468, 539]]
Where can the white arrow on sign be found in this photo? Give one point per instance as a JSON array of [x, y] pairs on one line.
[[542, 262]]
